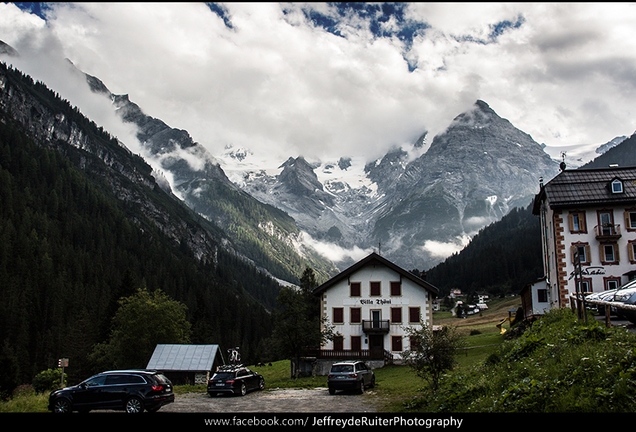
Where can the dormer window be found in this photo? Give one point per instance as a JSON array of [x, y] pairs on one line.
[[616, 186]]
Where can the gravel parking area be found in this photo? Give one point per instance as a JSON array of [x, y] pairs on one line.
[[276, 401]]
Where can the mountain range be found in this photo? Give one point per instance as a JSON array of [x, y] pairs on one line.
[[415, 205], [411, 207]]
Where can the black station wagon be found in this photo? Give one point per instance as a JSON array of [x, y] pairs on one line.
[[237, 380], [129, 390]]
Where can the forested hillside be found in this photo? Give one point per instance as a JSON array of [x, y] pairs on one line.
[[76, 235], [623, 154], [500, 259]]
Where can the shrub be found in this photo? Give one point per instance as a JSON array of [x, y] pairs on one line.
[[47, 380], [25, 390]]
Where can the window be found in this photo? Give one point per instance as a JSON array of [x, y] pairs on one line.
[[617, 186], [396, 288], [376, 317], [414, 315], [97, 381], [360, 367], [612, 283], [542, 295], [631, 249], [396, 343], [583, 250], [396, 315], [606, 222], [356, 315], [577, 222], [630, 219], [609, 253], [338, 343], [124, 379], [414, 343], [586, 285], [338, 315], [356, 343], [354, 289], [376, 289]]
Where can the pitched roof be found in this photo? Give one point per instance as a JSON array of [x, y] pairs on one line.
[[176, 357], [369, 260], [587, 187]]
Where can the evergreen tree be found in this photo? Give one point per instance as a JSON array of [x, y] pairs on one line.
[[298, 324]]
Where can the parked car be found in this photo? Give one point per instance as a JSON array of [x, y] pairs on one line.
[[129, 390], [626, 295], [237, 380], [352, 375], [607, 296]]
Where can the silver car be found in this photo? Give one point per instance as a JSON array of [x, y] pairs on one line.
[[352, 375]]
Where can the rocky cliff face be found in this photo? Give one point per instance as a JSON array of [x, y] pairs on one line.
[[414, 209], [262, 233], [474, 173]]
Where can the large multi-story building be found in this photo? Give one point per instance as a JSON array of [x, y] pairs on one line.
[[371, 304], [588, 217]]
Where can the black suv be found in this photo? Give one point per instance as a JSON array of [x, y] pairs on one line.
[[236, 380], [352, 375], [129, 390]]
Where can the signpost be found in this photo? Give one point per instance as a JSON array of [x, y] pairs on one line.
[[62, 363], [580, 301]]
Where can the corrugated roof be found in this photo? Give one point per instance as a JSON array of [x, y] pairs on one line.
[[590, 187], [176, 357]]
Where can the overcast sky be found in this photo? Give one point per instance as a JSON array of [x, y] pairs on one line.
[[327, 81]]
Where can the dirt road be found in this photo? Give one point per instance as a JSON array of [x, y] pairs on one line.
[[276, 400]]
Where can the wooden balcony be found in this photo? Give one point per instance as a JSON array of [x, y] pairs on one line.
[[362, 354], [607, 232], [376, 326]]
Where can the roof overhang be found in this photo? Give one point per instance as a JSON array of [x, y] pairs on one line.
[[369, 260]]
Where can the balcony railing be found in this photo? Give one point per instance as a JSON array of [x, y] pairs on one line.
[[362, 354], [607, 231], [376, 326]]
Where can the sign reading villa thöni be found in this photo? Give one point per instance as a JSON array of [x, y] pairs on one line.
[[376, 301]]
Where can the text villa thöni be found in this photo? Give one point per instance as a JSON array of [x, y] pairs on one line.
[[376, 301]]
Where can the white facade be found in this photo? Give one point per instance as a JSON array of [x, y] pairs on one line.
[[535, 299], [582, 213], [372, 302]]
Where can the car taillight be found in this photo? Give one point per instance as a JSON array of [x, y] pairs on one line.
[[157, 387]]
